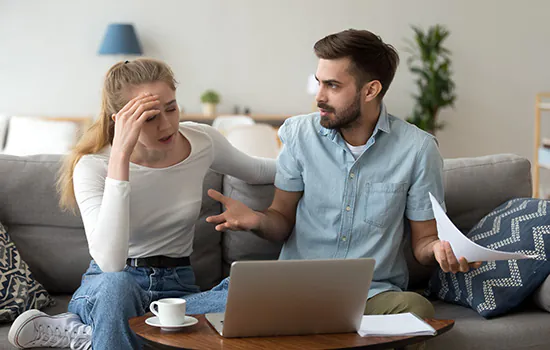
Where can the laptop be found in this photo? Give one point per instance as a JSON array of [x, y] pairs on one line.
[[294, 297]]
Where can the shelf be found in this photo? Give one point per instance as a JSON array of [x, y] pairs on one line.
[[541, 158], [544, 158], [272, 119]]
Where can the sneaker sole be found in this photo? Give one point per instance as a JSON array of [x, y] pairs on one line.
[[21, 321]]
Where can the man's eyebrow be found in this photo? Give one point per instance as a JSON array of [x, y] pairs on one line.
[[331, 81], [328, 81]]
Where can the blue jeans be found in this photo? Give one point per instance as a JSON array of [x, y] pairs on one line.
[[213, 300], [106, 301]]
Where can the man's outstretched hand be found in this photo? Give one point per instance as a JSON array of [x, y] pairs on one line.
[[236, 216]]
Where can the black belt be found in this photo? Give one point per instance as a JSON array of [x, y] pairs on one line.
[[158, 261]]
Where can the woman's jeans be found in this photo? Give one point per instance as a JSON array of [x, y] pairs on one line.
[[106, 301]]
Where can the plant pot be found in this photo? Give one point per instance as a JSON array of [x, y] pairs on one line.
[[209, 109]]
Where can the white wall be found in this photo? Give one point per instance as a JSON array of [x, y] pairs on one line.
[[259, 54]]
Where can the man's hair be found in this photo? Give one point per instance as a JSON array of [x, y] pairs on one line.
[[371, 59]]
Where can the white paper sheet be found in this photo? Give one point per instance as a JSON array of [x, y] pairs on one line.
[[394, 325], [461, 245]]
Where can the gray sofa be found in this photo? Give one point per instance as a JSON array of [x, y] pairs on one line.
[[54, 245]]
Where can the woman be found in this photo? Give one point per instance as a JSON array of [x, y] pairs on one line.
[[136, 177]]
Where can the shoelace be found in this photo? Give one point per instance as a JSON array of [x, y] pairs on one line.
[[81, 339], [77, 337]]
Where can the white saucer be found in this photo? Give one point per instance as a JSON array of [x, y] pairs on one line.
[[155, 322]]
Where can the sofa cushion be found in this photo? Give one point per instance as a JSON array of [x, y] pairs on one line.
[[519, 225], [27, 135], [19, 291], [4, 120], [541, 297], [525, 330], [487, 181], [51, 241], [206, 258]]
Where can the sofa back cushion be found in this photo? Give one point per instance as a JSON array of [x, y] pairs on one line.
[[476, 186], [34, 135], [53, 242], [4, 121]]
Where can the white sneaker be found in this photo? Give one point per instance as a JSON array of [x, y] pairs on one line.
[[34, 329]]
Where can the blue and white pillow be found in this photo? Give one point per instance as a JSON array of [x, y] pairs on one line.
[[19, 291], [520, 225]]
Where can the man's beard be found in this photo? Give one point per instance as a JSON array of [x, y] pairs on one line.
[[342, 119]]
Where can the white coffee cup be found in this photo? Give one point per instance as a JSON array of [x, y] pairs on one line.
[[170, 311]]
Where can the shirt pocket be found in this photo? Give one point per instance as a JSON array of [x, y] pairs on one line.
[[385, 202]]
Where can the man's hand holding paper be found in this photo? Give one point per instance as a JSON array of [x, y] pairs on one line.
[[453, 243]]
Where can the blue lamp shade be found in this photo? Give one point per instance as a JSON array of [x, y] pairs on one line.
[[120, 39]]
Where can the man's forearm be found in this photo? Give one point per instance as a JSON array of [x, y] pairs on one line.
[[274, 226], [424, 253]]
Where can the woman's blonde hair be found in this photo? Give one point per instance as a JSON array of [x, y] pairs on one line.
[[101, 133]]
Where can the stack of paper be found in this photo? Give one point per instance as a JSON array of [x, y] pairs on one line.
[[394, 325]]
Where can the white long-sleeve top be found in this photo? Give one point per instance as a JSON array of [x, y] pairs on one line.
[[155, 212]]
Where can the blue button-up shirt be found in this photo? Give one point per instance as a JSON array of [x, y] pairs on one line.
[[356, 208]]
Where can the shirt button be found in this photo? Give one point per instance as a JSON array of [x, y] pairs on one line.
[[348, 208], [352, 175]]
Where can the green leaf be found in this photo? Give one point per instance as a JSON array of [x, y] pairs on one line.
[[430, 62]]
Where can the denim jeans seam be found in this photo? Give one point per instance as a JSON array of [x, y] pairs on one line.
[[89, 307], [145, 303], [197, 296]]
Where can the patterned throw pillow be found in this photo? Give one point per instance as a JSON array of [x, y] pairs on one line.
[[520, 225], [19, 291]]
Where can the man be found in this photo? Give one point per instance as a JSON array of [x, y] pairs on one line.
[[349, 176]]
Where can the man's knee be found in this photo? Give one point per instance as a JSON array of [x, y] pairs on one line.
[[417, 304], [400, 302]]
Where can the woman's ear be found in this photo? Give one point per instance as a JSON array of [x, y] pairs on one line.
[[113, 117], [372, 90]]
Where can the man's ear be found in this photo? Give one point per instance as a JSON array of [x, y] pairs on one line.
[[371, 90]]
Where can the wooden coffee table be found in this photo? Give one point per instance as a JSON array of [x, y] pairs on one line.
[[203, 336]]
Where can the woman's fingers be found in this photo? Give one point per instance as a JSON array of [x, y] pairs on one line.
[[143, 107], [130, 103], [146, 115], [130, 108]]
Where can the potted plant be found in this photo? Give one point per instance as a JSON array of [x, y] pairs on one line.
[[209, 99], [431, 63]]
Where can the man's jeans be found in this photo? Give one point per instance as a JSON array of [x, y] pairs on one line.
[[106, 301]]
